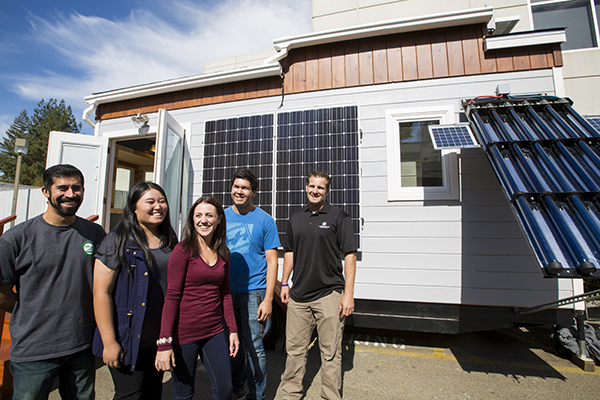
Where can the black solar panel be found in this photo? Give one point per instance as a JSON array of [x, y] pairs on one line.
[[319, 139], [451, 136], [230, 144], [323, 140], [595, 122]]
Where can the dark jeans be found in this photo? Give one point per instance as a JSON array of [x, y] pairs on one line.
[[76, 372], [214, 353], [144, 383]]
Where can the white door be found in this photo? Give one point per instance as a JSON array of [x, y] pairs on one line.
[[169, 164], [90, 155]]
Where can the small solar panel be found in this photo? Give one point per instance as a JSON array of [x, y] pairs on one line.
[[594, 121], [458, 136]]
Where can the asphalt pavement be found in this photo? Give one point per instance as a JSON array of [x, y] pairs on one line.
[[516, 363]]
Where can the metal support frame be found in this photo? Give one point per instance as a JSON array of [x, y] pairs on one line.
[[582, 358], [568, 300]]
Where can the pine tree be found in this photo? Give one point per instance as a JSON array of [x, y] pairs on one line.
[[8, 158], [50, 116]]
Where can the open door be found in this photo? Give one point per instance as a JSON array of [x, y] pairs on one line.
[[169, 165], [90, 155]]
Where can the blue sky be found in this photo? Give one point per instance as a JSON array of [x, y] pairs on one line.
[[68, 49]]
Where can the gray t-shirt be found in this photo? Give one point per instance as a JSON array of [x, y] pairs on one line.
[[157, 286], [52, 268]]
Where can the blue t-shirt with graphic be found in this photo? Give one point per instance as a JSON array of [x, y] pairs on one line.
[[248, 237]]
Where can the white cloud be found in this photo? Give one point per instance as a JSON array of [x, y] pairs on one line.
[[167, 42]]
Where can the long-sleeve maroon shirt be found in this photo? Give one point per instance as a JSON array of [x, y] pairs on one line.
[[197, 296]]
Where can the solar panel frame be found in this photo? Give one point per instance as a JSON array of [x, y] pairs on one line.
[[452, 136]]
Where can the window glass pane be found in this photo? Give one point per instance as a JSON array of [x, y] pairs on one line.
[[575, 15], [420, 163], [122, 185]]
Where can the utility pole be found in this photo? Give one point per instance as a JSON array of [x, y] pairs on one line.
[[20, 148]]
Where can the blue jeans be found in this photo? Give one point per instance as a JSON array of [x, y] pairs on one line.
[[214, 353], [250, 364], [76, 372]]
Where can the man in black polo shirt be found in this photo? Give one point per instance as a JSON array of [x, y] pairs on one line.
[[317, 238]]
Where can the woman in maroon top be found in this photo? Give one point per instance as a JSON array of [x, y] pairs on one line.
[[196, 300]]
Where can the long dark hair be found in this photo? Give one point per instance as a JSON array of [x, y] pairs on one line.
[[219, 238], [130, 229]]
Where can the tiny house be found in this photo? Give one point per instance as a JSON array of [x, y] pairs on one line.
[[441, 245]]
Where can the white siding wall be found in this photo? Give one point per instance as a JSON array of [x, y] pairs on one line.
[[468, 251]]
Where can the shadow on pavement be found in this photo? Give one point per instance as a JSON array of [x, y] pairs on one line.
[[511, 352], [497, 352]]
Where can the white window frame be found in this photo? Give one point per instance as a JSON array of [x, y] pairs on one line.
[[450, 189]]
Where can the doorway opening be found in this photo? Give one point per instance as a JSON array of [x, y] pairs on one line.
[[133, 163]]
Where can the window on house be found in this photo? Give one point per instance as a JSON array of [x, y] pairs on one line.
[[417, 171], [421, 164], [579, 17]]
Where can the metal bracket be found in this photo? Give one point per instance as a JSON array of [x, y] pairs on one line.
[[568, 300]]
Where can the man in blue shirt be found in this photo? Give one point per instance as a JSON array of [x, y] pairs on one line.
[[253, 240]]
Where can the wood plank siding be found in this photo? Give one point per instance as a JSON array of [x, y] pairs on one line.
[[242, 90], [433, 54], [440, 53]]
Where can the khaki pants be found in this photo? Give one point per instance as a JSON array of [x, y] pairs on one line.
[[301, 321]]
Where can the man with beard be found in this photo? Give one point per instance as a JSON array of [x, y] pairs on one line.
[[49, 261]]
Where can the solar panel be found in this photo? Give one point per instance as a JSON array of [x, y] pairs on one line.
[[230, 144], [324, 139], [308, 140], [595, 122], [457, 136]]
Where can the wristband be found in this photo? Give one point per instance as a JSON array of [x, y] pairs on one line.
[[284, 285]]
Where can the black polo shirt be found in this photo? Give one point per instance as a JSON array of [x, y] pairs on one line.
[[319, 241]]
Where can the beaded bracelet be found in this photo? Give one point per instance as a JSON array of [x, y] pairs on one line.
[[161, 341]]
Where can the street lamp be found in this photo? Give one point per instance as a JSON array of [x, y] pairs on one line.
[[20, 149]]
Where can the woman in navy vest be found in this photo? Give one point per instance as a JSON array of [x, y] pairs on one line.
[[130, 281]]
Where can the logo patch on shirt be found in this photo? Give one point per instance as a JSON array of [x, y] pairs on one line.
[[324, 225], [88, 247]]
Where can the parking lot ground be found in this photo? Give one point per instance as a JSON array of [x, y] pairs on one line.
[[516, 363]]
